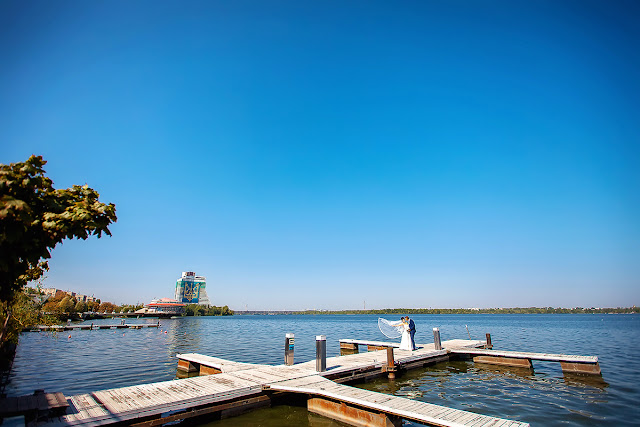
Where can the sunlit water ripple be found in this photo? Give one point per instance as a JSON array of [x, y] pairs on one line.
[[94, 360]]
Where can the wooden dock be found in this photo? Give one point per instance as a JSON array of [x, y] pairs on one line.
[[569, 362], [242, 386], [225, 388], [346, 403], [61, 328], [46, 404], [350, 344]]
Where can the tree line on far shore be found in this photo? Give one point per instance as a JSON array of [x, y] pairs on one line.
[[515, 310], [201, 310], [63, 303]]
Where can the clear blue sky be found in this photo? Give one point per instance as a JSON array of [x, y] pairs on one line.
[[322, 154]]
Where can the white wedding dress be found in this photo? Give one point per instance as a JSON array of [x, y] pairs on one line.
[[405, 342]]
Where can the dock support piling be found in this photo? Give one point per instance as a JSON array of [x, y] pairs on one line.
[[321, 353], [436, 339], [288, 348], [391, 364], [488, 345]]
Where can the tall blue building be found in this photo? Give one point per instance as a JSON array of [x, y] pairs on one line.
[[191, 289]]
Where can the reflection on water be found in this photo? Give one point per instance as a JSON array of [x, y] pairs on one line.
[[99, 359], [278, 416], [504, 370], [583, 380]]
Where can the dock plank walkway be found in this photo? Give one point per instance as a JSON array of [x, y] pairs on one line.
[[128, 403], [405, 408], [222, 365], [248, 381], [456, 343]]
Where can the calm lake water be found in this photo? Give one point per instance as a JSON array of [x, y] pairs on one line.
[[94, 360]]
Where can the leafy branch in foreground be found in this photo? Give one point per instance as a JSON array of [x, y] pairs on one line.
[[34, 218]]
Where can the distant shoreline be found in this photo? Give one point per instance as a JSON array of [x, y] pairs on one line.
[[516, 310]]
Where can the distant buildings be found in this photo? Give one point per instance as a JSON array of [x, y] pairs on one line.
[[191, 289], [52, 292]]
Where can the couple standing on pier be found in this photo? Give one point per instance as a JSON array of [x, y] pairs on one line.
[[408, 332]]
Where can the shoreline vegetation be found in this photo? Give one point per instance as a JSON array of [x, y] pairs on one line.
[[514, 310]]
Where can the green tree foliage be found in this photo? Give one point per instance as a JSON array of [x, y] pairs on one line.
[[107, 307], [201, 310], [66, 304], [35, 217], [516, 310], [130, 308], [26, 311], [52, 306], [80, 307]]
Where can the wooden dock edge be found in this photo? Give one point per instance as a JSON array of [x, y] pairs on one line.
[[225, 410], [351, 415], [349, 409], [584, 365], [504, 361], [581, 368]]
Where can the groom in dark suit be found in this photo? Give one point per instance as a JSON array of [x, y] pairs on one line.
[[412, 331]]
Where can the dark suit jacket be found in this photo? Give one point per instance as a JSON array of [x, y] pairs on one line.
[[412, 326]]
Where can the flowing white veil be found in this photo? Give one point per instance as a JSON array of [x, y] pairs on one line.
[[390, 329]]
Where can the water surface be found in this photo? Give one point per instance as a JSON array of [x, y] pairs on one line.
[[99, 359]]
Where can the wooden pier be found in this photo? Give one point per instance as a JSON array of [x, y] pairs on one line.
[[61, 328], [223, 388], [368, 408], [569, 362]]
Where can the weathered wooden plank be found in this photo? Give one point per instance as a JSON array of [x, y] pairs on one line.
[[240, 380], [215, 362], [581, 368], [370, 343], [398, 406], [504, 361], [572, 358]]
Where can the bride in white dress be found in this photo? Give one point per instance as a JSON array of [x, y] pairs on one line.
[[405, 342]]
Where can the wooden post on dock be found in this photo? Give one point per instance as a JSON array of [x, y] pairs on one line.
[[288, 349], [436, 339], [321, 353], [488, 345], [391, 364]]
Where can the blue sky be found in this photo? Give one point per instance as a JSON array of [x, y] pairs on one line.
[[323, 154]]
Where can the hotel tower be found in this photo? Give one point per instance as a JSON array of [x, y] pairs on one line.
[[191, 289]]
